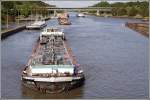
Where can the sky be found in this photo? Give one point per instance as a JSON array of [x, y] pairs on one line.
[[72, 4], [78, 3]]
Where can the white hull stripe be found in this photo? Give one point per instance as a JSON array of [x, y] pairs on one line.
[[53, 79]]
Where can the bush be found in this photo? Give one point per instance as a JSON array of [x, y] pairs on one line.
[[128, 8], [132, 12], [122, 11], [102, 4], [144, 11]]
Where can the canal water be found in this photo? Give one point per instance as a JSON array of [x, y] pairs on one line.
[[114, 59]]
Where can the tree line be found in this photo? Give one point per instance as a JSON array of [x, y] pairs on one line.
[[14, 8], [127, 8]]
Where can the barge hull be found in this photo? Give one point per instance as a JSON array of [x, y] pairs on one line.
[[52, 87]]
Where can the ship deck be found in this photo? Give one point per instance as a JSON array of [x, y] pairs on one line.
[[53, 52]]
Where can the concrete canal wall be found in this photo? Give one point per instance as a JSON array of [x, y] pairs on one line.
[[9, 32], [33, 19], [142, 28]]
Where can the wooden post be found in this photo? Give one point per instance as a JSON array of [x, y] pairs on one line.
[[18, 16], [7, 20]]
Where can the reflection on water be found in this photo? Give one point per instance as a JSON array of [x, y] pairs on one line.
[[114, 59]]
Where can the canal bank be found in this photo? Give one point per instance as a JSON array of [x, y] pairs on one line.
[[144, 19], [142, 28], [7, 32]]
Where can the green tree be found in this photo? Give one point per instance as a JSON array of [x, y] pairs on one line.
[[118, 4], [122, 11], [114, 11], [102, 4], [143, 11], [128, 8], [132, 12]]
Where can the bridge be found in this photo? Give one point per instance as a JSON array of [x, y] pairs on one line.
[[97, 9], [84, 8]]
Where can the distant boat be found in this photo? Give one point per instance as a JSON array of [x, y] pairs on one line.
[[63, 19], [80, 15], [38, 24]]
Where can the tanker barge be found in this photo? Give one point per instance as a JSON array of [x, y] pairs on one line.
[[52, 68]]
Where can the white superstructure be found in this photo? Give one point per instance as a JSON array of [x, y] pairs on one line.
[[52, 31], [43, 69], [80, 15], [36, 25]]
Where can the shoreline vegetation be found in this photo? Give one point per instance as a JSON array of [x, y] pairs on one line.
[[11, 11], [137, 10]]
